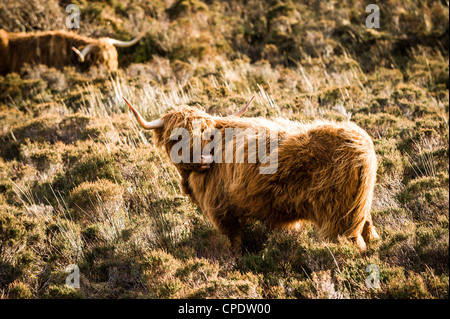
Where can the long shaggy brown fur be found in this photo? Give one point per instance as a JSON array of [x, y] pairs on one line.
[[54, 49], [326, 175]]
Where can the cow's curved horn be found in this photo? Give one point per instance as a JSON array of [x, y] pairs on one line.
[[147, 125], [244, 108], [124, 44], [82, 55]]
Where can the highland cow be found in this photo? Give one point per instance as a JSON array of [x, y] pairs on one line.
[[58, 49], [325, 173]]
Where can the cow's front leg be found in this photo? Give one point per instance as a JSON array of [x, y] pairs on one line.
[[185, 186], [228, 224]]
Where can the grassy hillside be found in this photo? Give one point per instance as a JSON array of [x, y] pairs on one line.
[[81, 183]]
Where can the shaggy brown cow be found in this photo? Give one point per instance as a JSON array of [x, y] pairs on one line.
[[325, 174], [57, 49]]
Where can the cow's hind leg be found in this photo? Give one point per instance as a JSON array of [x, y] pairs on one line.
[[369, 232], [359, 241]]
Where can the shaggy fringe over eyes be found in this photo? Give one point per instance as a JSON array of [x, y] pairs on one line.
[[181, 117]]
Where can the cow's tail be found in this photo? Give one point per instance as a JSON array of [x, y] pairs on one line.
[[358, 215]]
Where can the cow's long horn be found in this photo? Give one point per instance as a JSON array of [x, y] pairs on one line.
[[82, 55], [244, 108], [124, 44], [147, 125]]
